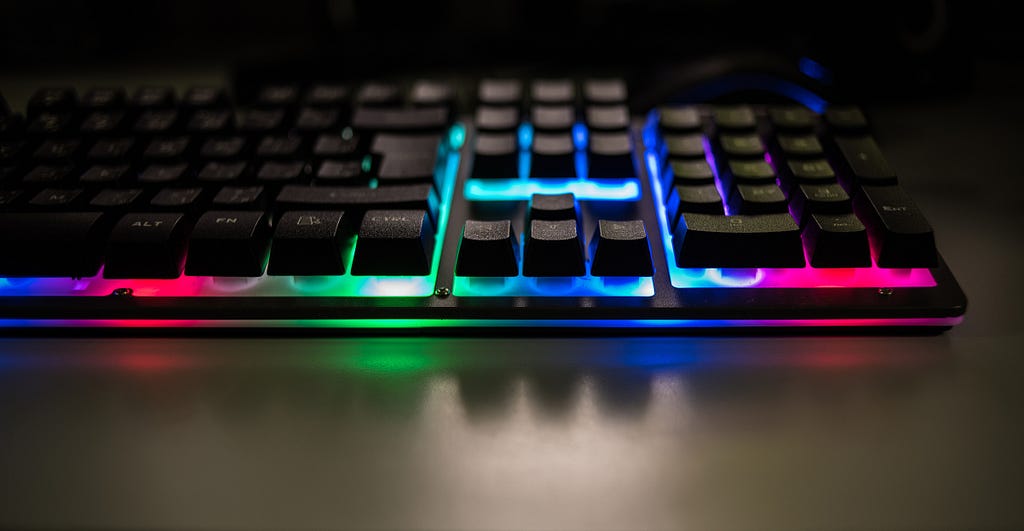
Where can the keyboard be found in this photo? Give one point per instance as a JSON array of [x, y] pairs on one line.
[[428, 204]]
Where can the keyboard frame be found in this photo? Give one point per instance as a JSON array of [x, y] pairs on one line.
[[920, 308]]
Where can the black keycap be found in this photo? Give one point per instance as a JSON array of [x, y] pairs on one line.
[[748, 172], [102, 122], [900, 234], [278, 147], [156, 121], [277, 96], [488, 249], [679, 119], [9, 198], [281, 171], [610, 156], [553, 207], [792, 118], [807, 199], [408, 120], [406, 168], [117, 199], [104, 174], [52, 100], [378, 95], [864, 161], [163, 173], [239, 197], [758, 199], [742, 145], [227, 243], [553, 91], [341, 172], [57, 198], [209, 122], [767, 240], [153, 97], [431, 93], [689, 172], [177, 199], [163, 149], [405, 197], [223, 148], [259, 122], [553, 249], [108, 149], [47, 174], [334, 145], [846, 119], [103, 99], [327, 96], [316, 120], [500, 92], [49, 123], [496, 157], [395, 143], [814, 171], [553, 155], [147, 246], [800, 146], [56, 150], [701, 199], [204, 98], [9, 151], [689, 146], [836, 240], [220, 172], [552, 117], [394, 242], [620, 249], [499, 119], [51, 244], [734, 117], [605, 91], [607, 117], [308, 243]]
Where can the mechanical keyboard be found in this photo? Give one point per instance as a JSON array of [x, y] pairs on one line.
[[540, 203]]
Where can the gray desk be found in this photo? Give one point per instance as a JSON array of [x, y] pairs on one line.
[[571, 433]]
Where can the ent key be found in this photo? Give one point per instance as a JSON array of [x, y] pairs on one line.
[[900, 235], [865, 161]]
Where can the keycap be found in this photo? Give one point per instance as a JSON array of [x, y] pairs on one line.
[[678, 119], [430, 93], [394, 242], [177, 199], [814, 171], [800, 145], [553, 155], [102, 122], [168, 148], [204, 98], [402, 143], [316, 120], [807, 199], [153, 97], [156, 121], [104, 174], [333, 145], [9, 198], [308, 242], [552, 117], [324, 95], [552, 91], [51, 244], [900, 234], [147, 246], [605, 91], [758, 199], [223, 148], [864, 161], [620, 249], [258, 122], [846, 119], [209, 121], [378, 95], [222, 172], [9, 151], [735, 117], [229, 243], [119, 199], [607, 117], [610, 156], [553, 249], [11, 127], [48, 123], [278, 147], [281, 171], [406, 168], [747, 172], [109, 149], [742, 145], [792, 117], [54, 150], [410, 120], [406, 197], [488, 249], [836, 240], [277, 96], [689, 172], [699, 199], [57, 198], [766, 240], [553, 207], [689, 146], [52, 100], [103, 98], [238, 197], [496, 119], [500, 92], [45, 174], [162, 173], [341, 172], [496, 156]]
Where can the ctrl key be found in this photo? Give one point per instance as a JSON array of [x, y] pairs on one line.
[[394, 243], [147, 246]]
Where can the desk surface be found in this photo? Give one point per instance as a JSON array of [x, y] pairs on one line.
[[566, 433]]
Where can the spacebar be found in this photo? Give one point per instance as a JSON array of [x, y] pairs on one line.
[[409, 197]]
